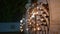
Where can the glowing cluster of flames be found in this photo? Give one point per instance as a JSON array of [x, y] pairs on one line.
[[32, 14], [33, 17]]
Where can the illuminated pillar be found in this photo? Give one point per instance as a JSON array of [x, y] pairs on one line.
[[37, 17]]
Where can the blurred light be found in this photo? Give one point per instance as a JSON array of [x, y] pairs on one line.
[[40, 8], [42, 19], [20, 26], [37, 7], [27, 29], [37, 24], [44, 23], [41, 12], [30, 23], [38, 28], [44, 14], [21, 21], [35, 13], [21, 30], [34, 29], [28, 19], [32, 16]]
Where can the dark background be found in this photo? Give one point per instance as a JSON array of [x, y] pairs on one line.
[[12, 10]]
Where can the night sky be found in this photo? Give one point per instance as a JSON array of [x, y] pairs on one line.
[[12, 10]]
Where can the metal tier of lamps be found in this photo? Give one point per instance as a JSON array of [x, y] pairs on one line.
[[37, 18]]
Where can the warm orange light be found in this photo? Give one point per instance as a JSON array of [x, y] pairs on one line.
[[35, 13], [44, 14], [30, 23], [37, 24], [34, 29], [42, 19], [38, 28]]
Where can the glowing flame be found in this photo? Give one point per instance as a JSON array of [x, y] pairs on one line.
[[38, 28], [34, 29]]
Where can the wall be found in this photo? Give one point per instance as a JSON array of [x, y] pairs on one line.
[[54, 6]]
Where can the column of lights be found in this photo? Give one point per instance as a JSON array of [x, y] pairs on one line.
[[33, 16], [22, 24], [42, 13]]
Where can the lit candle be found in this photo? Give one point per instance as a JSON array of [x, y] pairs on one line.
[[38, 28], [21, 30], [44, 14], [42, 19], [38, 7], [30, 23], [34, 29]]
